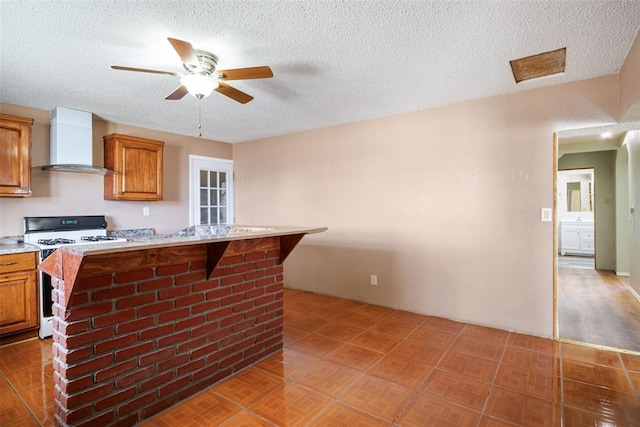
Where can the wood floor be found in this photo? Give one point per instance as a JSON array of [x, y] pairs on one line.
[[596, 307]]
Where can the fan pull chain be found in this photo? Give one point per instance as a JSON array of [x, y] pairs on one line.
[[200, 117]]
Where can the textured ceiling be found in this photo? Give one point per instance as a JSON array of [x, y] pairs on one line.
[[333, 61]]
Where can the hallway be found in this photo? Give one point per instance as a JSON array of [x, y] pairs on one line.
[[596, 307]]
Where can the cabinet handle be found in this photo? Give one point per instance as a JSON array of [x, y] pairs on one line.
[[4, 264]]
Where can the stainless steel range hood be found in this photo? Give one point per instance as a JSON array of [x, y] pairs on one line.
[[71, 148]]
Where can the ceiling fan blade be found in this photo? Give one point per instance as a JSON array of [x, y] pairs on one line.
[[177, 94], [233, 93], [262, 72], [144, 70], [185, 51]]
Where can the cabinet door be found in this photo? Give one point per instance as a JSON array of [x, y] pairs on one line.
[[15, 156], [18, 302], [137, 163], [569, 239]]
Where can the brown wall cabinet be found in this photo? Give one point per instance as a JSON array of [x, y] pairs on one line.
[[137, 166], [18, 293], [15, 156]]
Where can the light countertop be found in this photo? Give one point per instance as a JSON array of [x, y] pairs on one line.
[[190, 236], [14, 245]]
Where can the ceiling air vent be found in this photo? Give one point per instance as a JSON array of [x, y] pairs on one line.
[[540, 65]]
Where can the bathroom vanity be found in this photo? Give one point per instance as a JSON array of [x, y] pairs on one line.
[[577, 238]]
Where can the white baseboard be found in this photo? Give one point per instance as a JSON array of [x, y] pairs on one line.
[[633, 292], [622, 273]]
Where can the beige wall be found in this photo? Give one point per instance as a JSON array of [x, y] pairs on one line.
[[629, 100], [64, 193], [442, 205], [604, 166], [632, 141]]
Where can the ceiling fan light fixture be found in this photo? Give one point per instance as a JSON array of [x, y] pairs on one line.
[[199, 85], [200, 79]]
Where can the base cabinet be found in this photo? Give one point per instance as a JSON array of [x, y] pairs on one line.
[[137, 166], [15, 156], [577, 238], [18, 293]]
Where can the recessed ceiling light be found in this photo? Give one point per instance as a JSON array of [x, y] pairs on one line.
[[540, 65]]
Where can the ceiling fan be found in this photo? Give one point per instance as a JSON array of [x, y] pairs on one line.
[[202, 78]]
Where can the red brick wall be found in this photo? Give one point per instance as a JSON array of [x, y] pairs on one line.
[[132, 343]]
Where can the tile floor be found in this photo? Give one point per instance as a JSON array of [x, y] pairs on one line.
[[347, 363], [571, 261]]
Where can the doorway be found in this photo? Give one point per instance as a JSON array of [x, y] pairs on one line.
[[594, 305], [576, 218], [210, 190]]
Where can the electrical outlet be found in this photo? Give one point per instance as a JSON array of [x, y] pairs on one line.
[[374, 280], [145, 210]]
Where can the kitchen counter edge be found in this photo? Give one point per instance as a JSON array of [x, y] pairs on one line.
[[188, 240]]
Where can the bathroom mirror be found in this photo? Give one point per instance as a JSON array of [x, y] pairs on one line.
[[578, 189], [574, 202]]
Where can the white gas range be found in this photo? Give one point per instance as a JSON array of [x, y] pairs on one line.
[[52, 232]]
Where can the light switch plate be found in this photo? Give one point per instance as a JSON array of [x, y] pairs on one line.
[[546, 215]]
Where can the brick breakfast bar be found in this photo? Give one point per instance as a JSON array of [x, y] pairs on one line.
[[139, 326]]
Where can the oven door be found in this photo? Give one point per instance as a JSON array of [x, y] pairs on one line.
[[46, 301]]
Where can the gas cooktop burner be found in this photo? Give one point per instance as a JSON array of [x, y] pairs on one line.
[[58, 241], [97, 238]]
